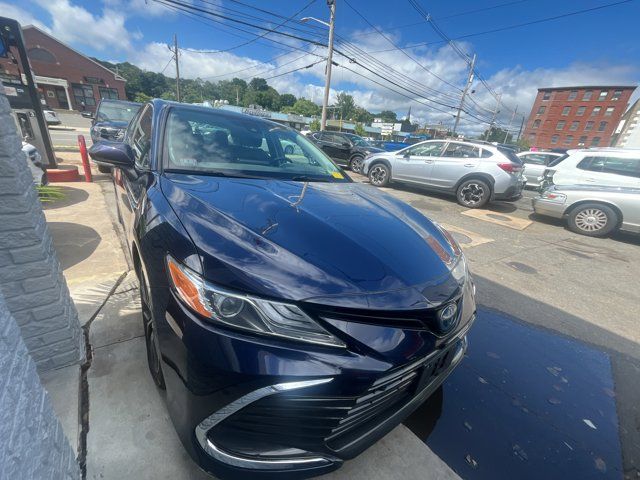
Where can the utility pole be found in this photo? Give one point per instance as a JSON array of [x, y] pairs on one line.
[[175, 53], [496, 111], [238, 96], [464, 93], [327, 81], [506, 135]]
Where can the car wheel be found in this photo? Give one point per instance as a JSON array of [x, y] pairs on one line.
[[104, 169], [379, 175], [153, 352], [473, 193], [593, 219], [356, 164]]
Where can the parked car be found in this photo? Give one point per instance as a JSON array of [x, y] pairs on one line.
[[535, 164], [617, 167], [51, 117], [111, 121], [475, 172], [260, 305], [345, 149], [389, 146], [34, 162], [592, 210]]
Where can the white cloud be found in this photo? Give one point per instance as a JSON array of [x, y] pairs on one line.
[[76, 25], [22, 16]]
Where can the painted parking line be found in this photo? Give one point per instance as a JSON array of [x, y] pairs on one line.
[[503, 219], [466, 238]]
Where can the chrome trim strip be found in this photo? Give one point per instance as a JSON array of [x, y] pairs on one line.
[[252, 463]]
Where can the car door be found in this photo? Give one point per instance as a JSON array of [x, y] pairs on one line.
[[328, 143], [131, 183], [456, 161], [414, 164], [609, 170], [341, 147]]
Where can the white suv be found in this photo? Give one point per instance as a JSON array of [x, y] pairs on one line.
[[615, 167]]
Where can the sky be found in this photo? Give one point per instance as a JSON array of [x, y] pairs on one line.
[[592, 48]]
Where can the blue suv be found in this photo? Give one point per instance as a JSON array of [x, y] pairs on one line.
[[292, 316]]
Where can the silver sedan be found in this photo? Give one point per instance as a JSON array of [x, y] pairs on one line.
[[592, 210]]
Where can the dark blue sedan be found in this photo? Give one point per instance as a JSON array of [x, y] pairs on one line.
[[294, 317]]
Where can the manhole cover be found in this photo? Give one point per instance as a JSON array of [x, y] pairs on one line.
[[496, 216], [461, 237], [521, 267]]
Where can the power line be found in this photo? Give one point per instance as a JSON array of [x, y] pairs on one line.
[[510, 27], [294, 70]]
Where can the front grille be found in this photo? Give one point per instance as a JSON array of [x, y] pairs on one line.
[[326, 423]]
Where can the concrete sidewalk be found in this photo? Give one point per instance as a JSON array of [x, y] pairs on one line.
[[121, 413]]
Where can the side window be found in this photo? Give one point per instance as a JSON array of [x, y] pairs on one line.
[[486, 153], [535, 159], [629, 167], [593, 164], [341, 139], [459, 150], [431, 149], [330, 137], [140, 138]]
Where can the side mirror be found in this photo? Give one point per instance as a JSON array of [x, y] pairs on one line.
[[117, 154]]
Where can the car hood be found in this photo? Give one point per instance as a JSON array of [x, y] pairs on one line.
[[346, 244], [112, 124]]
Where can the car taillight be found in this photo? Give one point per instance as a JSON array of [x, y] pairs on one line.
[[510, 167]]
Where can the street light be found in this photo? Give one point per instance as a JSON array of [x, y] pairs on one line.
[[327, 81]]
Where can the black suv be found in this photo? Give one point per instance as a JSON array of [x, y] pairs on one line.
[[111, 121], [345, 149]]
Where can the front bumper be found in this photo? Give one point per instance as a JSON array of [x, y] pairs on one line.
[[251, 408]]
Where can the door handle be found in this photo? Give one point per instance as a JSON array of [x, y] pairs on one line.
[[592, 180], [428, 161], [469, 164]]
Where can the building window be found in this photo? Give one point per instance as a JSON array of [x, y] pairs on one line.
[[583, 141], [573, 94], [532, 137], [574, 126], [541, 110], [609, 111], [565, 111], [110, 93], [602, 127], [41, 55], [560, 125], [596, 111], [546, 96], [83, 94], [588, 126], [595, 141], [580, 111], [603, 95], [587, 95], [616, 95], [536, 124], [568, 140], [554, 139]]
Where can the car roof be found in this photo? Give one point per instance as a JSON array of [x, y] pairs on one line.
[[606, 150], [123, 102]]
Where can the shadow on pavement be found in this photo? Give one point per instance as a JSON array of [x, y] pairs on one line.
[[530, 401], [73, 242], [71, 197]]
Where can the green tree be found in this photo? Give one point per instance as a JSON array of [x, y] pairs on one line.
[[387, 116], [346, 105], [360, 129], [287, 100], [362, 115], [232, 90], [258, 84], [268, 99], [314, 126], [304, 107], [495, 134], [141, 97]]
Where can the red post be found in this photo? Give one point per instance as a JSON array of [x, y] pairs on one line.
[[85, 158]]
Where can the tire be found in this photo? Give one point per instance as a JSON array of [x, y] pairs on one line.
[[356, 163], [473, 193], [104, 169], [379, 175], [593, 220], [153, 352]]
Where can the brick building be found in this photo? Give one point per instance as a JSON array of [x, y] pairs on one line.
[[576, 117], [65, 77]]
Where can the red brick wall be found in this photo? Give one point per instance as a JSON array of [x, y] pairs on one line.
[[69, 65], [542, 137]]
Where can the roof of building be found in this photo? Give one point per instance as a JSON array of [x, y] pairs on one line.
[[115, 75], [582, 87]]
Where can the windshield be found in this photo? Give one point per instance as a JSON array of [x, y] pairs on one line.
[[215, 144], [116, 112]]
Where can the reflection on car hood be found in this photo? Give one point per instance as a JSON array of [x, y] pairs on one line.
[[112, 124], [344, 241]]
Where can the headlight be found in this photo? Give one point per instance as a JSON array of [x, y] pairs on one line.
[[246, 312], [553, 196]]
